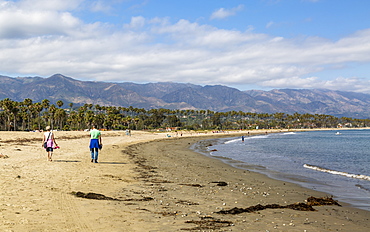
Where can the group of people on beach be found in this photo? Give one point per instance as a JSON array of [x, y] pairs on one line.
[[96, 144]]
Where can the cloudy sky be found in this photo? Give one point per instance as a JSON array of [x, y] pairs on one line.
[[246, 44]]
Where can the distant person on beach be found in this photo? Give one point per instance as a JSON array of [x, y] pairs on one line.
[[242, 138], [95, 144], [48, 142]]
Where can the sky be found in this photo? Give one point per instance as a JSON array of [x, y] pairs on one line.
[[245, 44]]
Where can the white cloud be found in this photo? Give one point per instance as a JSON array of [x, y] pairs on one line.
[[340, 83], [25, 20], [270, 24], [45, 42], [294, 82], [224, 13], [136, 23], [49, 5], [100, 6]]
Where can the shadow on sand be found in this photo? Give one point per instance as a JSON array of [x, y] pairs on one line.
[[111, 163], [67, 161], [78, 161]]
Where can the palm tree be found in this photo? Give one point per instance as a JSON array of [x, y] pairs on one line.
[[3, 120], [60, 103], [24, 116], [80, 117], [72, 120], [60, 115], [28, 103], [11, 110], [70, 106], [45, 105], [89, 118], [52, 110], [36, 110]]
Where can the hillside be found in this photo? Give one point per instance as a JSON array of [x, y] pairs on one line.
[[185, 96]]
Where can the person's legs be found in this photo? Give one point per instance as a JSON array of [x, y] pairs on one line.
[[92, 154], [49, 150], [94, 149], [50, 154], [96, 155]]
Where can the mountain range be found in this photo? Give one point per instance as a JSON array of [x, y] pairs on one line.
[[185, 96]]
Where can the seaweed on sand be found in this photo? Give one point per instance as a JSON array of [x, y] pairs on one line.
[[98, 196], [311, 201], [208, 223], [315, 201], [95, 196], [220, 183]]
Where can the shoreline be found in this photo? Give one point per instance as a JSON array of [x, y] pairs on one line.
[[244, 189], [147, 182], [300, 180]]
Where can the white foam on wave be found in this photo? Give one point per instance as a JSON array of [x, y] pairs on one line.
[[233, 141], [258, 137], [289, 133], [246, 138], [346, 174]]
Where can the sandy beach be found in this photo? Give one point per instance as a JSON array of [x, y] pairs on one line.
[[149, 182]]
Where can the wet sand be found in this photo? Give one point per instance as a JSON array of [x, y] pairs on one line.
[[147, 182]]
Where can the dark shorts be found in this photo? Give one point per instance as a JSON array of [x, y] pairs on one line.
[[49, 149]]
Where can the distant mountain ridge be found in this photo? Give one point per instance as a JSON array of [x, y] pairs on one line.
[[186, 96]]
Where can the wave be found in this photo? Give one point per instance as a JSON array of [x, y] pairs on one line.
[[289, 133], [246, 138], [362, 187], [258, 137], [346, 174], [233, 141]]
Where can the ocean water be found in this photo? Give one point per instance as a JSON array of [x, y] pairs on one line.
[[338, 164]]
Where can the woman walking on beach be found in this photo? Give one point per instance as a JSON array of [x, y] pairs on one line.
[[95, 144], [48, 142]]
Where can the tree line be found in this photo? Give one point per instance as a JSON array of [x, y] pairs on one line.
[[28, 115]]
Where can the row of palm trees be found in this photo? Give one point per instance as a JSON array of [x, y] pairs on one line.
[[29, 115]]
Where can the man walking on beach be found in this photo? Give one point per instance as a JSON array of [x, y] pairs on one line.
[[95, 144]]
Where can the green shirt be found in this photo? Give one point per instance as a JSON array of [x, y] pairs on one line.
[[95, 134]]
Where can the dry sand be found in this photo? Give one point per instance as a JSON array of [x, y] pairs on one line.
[[147, 186]]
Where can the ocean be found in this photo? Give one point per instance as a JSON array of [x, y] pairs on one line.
[[334, 162]]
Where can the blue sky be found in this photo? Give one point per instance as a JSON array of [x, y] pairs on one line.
[[246, 44]]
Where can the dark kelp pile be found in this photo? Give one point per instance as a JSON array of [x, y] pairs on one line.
[[98, 196], [208, 223], [193, 185], [95, 196], [220, 183], [311, 201], [315, 201]]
